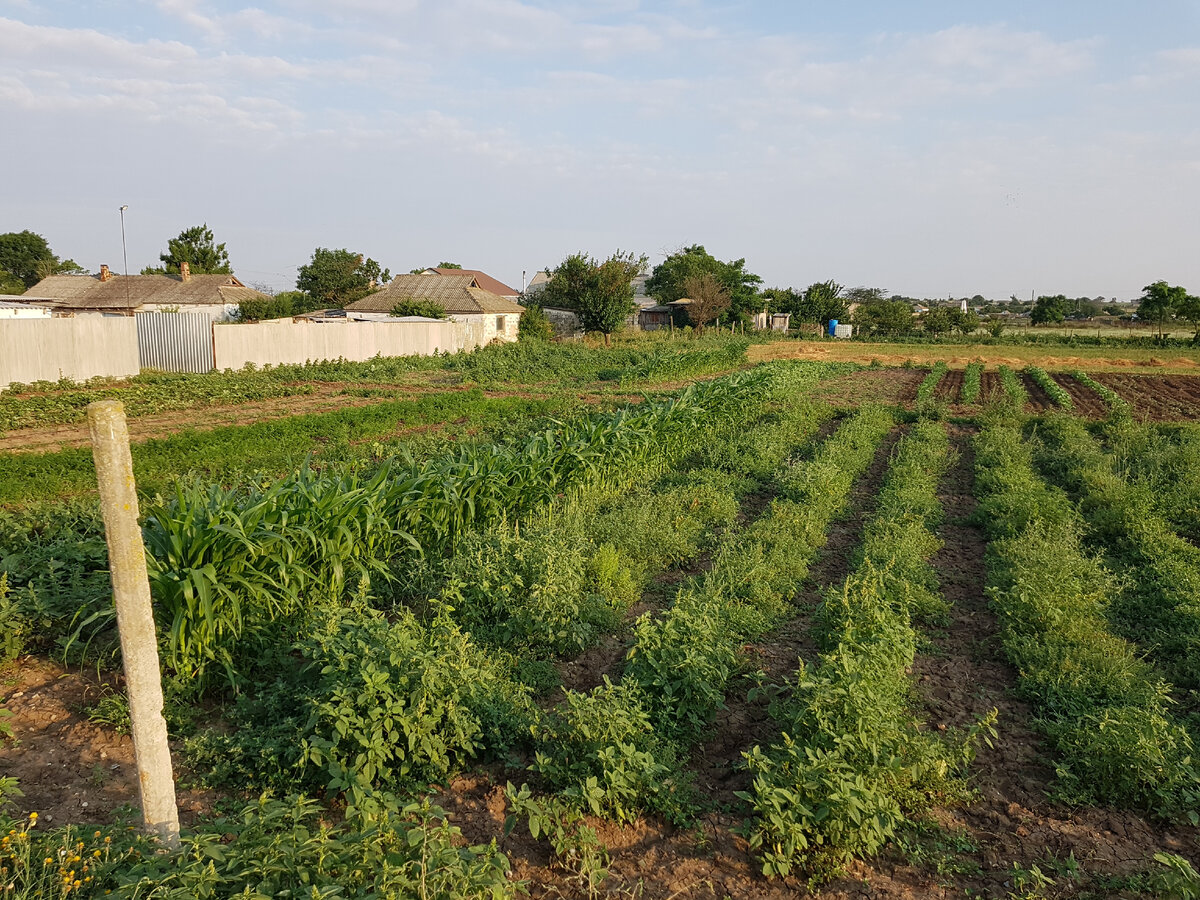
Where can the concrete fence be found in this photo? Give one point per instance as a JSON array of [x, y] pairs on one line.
[[78, 348], [284, 342]]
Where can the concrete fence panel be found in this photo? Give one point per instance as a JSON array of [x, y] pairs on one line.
[[285, 342], [80, 348], [175, 342]]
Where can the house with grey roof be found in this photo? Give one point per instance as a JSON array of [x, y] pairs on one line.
[[482, 279], [484, 316], [109, 294]]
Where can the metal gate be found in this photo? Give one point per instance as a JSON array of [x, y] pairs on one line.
[[175, 342]]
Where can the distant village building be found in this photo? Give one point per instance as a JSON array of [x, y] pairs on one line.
[[109, 294], [486, 315]]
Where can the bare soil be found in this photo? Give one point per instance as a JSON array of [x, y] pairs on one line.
[[1157, 398], [1039, 400], [1087, 402], [70, 769], [897, 386], [949, 389]]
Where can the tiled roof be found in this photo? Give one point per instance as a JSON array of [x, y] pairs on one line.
[[458, 294], [482, 280], [132, 291]]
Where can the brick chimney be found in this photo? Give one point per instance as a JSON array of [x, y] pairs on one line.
[[104, 273], [185, 271]]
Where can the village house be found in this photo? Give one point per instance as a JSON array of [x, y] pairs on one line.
[[484, 315], [109, 294]]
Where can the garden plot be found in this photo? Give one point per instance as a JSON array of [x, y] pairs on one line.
[[639, 653]]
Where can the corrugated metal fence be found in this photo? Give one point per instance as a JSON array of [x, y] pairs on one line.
[[175, 342]]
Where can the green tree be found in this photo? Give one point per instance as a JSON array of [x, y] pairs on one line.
[[964, 322], [601, 292], [883, 317], [1189, 310], [937, 321], [197, 247], [1050, 310], [281, 306], [414, 306], [26, 257], [336, 278], [534, 326], [1160, 302], [666, 281], [822, 302]]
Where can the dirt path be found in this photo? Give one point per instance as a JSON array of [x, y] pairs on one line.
[[1039, 400]]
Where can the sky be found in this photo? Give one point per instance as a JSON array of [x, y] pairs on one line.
[[931, 149]]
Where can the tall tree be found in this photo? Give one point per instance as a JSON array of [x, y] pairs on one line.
[[709, 296], [1050, 310], [1189, 310], [601, 292], [26, 258], [337, 278], [1159, 303], [823, 302], [197, 247], [666, 282]]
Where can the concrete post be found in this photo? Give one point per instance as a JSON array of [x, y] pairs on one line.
[[135, 619]]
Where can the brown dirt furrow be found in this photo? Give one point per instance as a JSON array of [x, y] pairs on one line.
[[1157, 398], [1087, 402], [1039, 400], [990, 386], [742, 724], [949, 389]]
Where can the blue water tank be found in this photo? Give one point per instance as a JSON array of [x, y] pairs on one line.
[[833, 323]]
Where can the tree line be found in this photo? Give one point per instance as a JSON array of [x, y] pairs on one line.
[[601, 291]]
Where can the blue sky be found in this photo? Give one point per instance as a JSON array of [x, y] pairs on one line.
[[931, 149]]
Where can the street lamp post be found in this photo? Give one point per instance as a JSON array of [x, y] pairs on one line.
[[124, 253]]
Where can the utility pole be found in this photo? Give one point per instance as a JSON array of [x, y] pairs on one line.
[[124, 254], [135, 619]]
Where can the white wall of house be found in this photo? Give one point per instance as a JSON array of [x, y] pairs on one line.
[[25, 312]]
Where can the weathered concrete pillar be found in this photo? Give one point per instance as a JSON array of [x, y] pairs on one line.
[[135, 618]]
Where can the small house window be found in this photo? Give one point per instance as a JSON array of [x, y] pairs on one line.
[[499, 323]]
